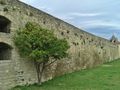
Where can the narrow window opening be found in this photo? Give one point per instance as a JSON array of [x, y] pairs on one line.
[[4, 25], [5, 51]]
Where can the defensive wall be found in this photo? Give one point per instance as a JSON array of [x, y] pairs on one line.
[[86, 50]]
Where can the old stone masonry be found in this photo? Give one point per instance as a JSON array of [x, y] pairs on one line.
[[86, 50]]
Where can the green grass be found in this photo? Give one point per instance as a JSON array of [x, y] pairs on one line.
[[104, 77]]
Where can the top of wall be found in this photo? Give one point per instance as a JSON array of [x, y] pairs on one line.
[[36, 12]]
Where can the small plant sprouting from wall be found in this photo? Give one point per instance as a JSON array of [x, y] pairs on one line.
[[2, 2], [83, 42], [62, 33], [44, 22], [75, 34], [99, 52], [40, 45], [75, 43], [92, 40], [68, 31], [102, 47], [5, 9], [81, 36], [14, 8], [31, 14], [79, 54]]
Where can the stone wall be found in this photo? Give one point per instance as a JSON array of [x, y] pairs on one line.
[[7, 74], [86, 50]]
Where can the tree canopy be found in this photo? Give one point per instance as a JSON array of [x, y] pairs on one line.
[[39, 44]]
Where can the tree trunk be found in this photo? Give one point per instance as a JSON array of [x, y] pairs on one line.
[[41, 71], [39, 68]]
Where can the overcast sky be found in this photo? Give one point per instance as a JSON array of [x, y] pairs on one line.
[[100, 17]]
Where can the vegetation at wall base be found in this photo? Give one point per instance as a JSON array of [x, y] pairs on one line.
[[104, 77]]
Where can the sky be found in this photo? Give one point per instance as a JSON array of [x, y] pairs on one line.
[[99, 17]]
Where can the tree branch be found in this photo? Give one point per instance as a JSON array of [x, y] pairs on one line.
[[50, 63]]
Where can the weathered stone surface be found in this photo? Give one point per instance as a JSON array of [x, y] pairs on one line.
[[86, 50]]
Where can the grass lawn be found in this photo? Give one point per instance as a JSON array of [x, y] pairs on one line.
[[104, 77]]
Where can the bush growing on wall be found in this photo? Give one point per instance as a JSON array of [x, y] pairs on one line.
[[40, 45]]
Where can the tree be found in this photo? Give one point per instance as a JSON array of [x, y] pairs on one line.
[[40, 45]]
